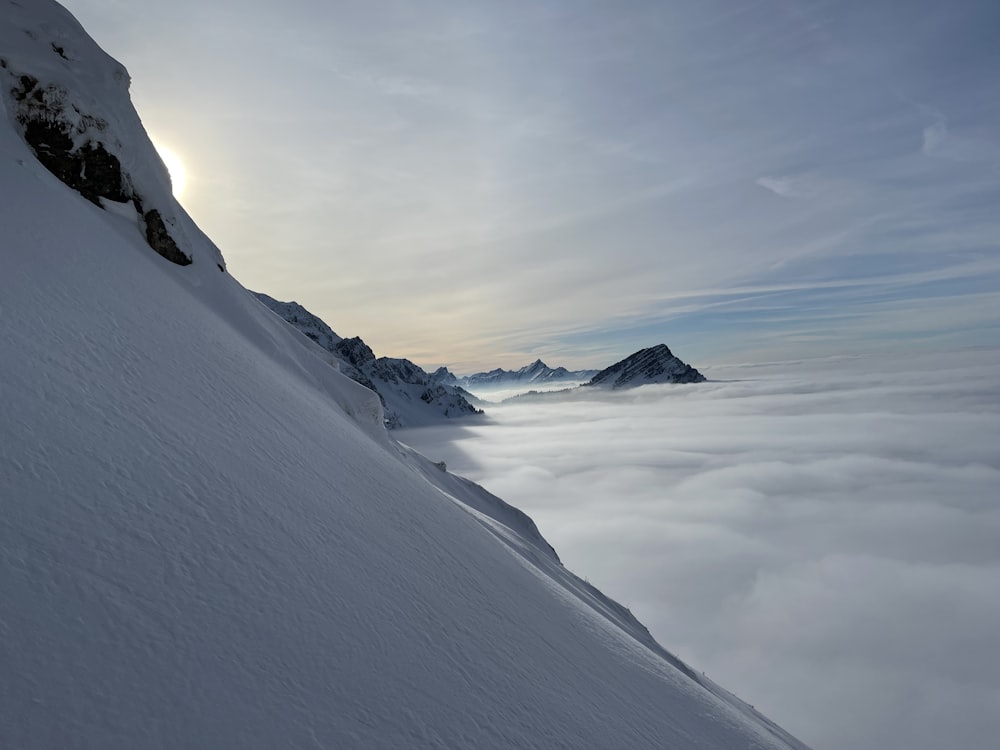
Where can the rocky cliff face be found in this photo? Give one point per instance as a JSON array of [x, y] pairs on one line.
[[70, 104], [410, 396], [657, 364]]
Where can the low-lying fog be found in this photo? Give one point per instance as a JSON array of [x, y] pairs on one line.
[[821, 537]]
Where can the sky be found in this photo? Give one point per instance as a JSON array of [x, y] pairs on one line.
[[819, 536], [477, 184]]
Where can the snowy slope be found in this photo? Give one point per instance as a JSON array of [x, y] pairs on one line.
[[410, 396], [209, 540], [657, 364]]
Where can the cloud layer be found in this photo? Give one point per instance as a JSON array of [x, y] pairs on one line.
[[821, 536]]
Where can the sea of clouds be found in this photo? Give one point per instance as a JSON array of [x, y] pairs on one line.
[[821, 537]]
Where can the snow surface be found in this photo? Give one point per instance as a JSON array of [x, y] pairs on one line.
[[208, 539]]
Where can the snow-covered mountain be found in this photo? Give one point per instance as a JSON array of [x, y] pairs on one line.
[[209, 539], [657, 364], [311, 325], [537, 373], [409, 396]]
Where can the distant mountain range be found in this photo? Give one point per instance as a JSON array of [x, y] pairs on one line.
[[537, 373], [412, 397], [657, 364]]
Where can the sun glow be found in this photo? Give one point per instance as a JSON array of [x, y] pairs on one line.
[[178, 174]]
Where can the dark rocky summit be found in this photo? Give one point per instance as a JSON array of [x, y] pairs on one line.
[[657, 364], [355, 351]]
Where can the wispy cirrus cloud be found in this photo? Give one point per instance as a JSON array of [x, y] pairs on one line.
[[783, 186]]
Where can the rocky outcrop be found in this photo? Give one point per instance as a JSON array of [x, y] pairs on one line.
[[354, 351], [75, 140], [656, 364], [160, 240]]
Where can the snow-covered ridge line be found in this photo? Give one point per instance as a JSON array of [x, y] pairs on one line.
[[410, 396]]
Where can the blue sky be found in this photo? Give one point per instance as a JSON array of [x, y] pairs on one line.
[[477, 183]]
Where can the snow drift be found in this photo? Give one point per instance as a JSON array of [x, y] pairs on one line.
[[208, 539]]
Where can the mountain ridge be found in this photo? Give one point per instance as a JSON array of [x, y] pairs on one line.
[[410, 396], [536, 372]]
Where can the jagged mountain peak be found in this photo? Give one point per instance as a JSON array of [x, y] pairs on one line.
[[536, 372], [655, 364], [444, 376]]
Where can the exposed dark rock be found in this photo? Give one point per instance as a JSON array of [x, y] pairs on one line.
[[90, 169], [444, 376], [354, 350], [160, 240], [653, 365]]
